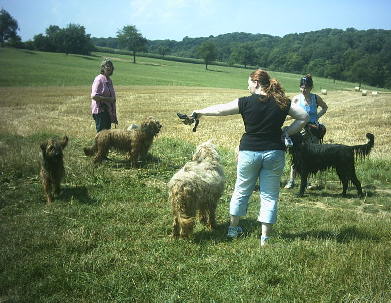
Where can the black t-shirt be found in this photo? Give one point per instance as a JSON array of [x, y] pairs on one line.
[[263, 119]]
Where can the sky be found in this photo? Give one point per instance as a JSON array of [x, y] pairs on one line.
[[176, 19]]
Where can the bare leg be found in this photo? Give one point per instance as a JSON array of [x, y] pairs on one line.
[[291, 181], [266, 229]]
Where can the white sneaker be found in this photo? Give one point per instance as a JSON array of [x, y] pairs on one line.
[[290, 184], [264, 240], [234, 231]]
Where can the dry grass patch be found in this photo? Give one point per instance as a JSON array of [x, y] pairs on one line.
[[66, 109]]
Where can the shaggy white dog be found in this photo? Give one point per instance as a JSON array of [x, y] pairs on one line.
[[197, 186]]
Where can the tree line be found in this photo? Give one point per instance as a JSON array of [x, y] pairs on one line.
[[362, 56]]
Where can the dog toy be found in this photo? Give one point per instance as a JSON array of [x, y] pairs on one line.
[[188, 120]]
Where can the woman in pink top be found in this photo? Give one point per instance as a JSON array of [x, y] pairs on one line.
[[103, 101]]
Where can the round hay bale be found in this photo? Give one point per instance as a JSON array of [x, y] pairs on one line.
[[375, 93], [364, 92], [324, 91], [357, 89]]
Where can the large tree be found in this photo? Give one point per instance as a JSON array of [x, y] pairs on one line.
[[207, 51], [8, 27], [72, 39], [76, 41], [244, 54], [131, 39]]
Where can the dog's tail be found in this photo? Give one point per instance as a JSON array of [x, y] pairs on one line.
[[90, 151], [363, 150]]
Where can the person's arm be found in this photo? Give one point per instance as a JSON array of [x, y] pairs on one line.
[[97, 88], [230, 108], [102, 98], [322, 105], [301, 118]]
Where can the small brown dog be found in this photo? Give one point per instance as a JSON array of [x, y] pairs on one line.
[[52, 166], [197, 186], [135, 142]]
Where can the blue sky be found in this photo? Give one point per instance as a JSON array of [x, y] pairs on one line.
[[175, 19]]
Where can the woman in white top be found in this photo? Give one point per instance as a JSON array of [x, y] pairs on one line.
[[310, 103]]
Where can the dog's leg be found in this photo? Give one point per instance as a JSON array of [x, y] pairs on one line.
[[133, 155], [175, 227], [303, 183], [57, 187], [212, 215], [48, 190], [186, 220], [186, 226], [100, 155], [357, 183], [344, 180]]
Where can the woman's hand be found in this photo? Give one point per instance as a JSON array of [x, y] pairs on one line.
[[196, 114]]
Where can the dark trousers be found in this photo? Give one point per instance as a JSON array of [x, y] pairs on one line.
[[102, 121]]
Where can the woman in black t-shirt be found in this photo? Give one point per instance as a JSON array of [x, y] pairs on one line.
[[261, 150]]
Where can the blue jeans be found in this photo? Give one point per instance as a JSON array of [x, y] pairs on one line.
[[268, 166]]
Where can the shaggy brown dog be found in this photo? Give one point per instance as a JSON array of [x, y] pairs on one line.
[[135, 143], [197, 186], [52, 166]]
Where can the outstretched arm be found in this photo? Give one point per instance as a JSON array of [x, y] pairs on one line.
[[230, 108]]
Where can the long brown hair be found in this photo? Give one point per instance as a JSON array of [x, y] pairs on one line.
[[271, 87]]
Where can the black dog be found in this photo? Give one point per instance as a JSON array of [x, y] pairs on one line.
[[309, 158]]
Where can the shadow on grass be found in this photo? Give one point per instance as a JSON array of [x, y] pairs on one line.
[[121, 162], [216, 70], [115, 162], [79, 193], [87, 57], [345, 235], [29, 52], [323, 193], [220, 233]]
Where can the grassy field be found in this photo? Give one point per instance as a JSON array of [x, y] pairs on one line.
[[31, 68], [106, 238]]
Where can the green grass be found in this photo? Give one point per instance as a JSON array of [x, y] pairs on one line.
[[106, 238], [33, 68]]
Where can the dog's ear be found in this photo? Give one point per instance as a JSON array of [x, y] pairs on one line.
[[64, 142]]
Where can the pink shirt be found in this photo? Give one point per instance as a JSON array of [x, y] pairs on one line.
[[103, 87]]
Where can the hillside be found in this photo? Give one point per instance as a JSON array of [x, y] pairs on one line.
[[351, 55], [35, 68]]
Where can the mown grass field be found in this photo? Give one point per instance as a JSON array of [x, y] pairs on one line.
[[106, 238]]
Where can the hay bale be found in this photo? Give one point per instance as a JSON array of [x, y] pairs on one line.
[[375, 93], [357, 89], [323, 91], [364, 92]]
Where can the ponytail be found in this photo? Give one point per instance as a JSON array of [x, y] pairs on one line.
[[271, 87]]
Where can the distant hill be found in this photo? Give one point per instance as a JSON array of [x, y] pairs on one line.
[[362, 56]]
